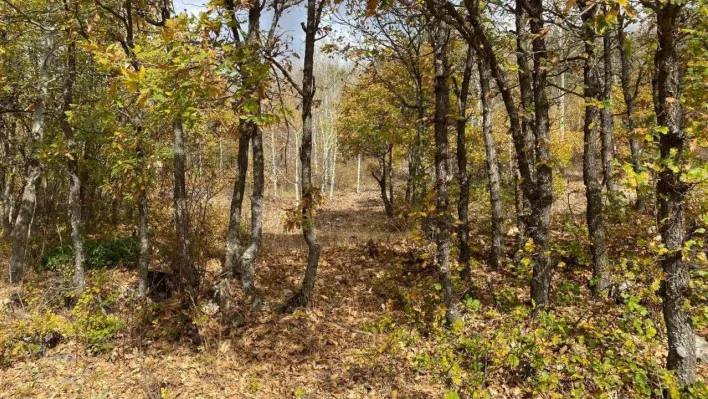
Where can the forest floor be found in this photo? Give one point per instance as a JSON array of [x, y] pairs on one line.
[[372, 331]]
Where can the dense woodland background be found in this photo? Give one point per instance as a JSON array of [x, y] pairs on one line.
[[400, 199]]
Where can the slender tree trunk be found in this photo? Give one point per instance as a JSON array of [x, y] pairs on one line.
[[630, 95], [296, 170], [542, 198], [358, 173], [74, 200], [221, 154], [383, 185], [442, 202], [463, 177], [8, 188], [304, 295], [250, 255], [593, 187], [390, 175], [274, 165], [21, 229], [607, 122], [495, 254], [561, 121], [334, 167], [189, 279], [527, 122], [231, 266], [143, 225], [671, 191]]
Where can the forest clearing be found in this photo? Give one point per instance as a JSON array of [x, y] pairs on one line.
[[353, 199]]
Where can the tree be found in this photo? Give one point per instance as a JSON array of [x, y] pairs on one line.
[[308, 202], [21, 228], [372, 126], [671, 190], [593, 186]]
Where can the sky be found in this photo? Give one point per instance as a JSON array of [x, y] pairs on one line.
[[290, 22]]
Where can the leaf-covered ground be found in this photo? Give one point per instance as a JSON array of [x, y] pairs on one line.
[[374, 330]]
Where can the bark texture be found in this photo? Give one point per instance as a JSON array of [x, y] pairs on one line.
[[593, 186], [607, 122], [496, 252], [74, 198], [442, 201], [463, 177], [671, 192], [542, 195], [304, 295], [189, 279], [25, 214]]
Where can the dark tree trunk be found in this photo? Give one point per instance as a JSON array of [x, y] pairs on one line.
[[250, 254], [231, 267], [537, 184], [607, 123], [382, 180], [463, 177], [593, 187], [542, 198], [527, 122], [189, 279], [496, 252], [630, 93], [304, 295], [21, 229], [74, 200], [442, 201], [671, 191]]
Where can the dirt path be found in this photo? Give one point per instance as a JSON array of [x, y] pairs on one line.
[[321, 353]]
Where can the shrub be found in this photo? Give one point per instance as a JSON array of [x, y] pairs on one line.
[[100, 254]]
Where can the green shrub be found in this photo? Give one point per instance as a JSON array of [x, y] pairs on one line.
[[92, 324], [100, 254]]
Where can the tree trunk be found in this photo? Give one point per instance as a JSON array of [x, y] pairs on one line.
[[390, 175], [607, 122], [671, 191], [542, 198], [630, 95], [230, 267], [296, 170], [273, 164], [143, 225], [495, 253], [527, 122], [561, 105], [250, 255], [334, 167], [463, 177], [358, 173], [304, 295], [593, 187], [442, 202], [383, 185], [189, 279], [8, 187], [21, 229], [74, 200]]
